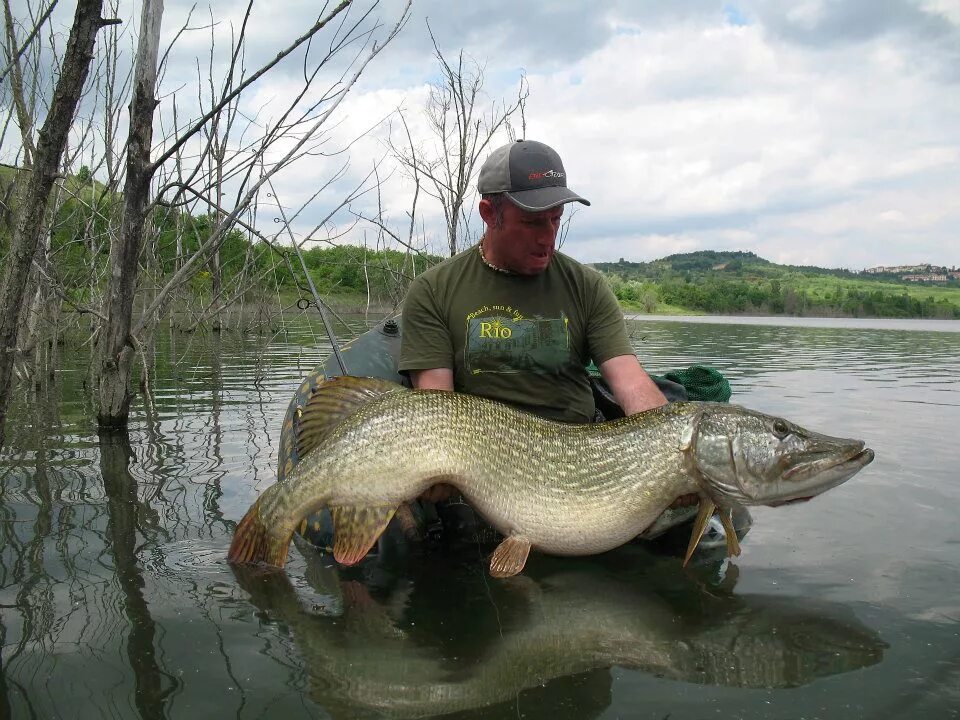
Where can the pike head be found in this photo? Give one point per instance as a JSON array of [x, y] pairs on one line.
[[744, 457]]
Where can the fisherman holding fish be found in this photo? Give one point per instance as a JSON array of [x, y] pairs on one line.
[[511, 318], [514, 320]]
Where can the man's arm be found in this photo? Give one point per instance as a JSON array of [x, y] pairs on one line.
[[636, 392], [631, 386], [432, 379]]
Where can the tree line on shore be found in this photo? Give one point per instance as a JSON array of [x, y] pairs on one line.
[[738, 283], [246, 265]]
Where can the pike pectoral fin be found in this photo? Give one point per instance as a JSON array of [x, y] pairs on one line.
[[356, 529], [733, 544], [509, 557], [699, 527]]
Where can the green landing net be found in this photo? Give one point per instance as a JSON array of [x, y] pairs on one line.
[[702, 383]]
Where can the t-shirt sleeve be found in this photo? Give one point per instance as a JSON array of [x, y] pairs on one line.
[[606, 330], [425, 340]]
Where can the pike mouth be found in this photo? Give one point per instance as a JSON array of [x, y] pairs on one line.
[[816, 476]]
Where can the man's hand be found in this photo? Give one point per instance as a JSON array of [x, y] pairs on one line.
[[685, 501], [438, 493]]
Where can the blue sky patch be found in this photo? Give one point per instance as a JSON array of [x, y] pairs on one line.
[[734, 15]]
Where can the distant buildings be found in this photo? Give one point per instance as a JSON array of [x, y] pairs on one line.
[[917, 273], [924, 278]]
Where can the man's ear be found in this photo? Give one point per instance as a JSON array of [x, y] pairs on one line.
[[487, 212]]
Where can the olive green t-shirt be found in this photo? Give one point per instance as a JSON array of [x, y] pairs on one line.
[[524, 340]]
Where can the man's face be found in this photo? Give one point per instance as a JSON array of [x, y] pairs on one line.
[[525, 241]]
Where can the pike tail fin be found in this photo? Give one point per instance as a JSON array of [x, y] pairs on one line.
[[253, 542]]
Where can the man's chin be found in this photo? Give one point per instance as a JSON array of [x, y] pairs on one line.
[[537, 264]]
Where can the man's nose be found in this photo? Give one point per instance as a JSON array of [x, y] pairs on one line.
[[546, 234]]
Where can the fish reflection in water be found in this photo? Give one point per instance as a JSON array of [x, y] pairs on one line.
[[445, 638]]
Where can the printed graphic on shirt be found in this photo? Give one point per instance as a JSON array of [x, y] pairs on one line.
[[501, 340]]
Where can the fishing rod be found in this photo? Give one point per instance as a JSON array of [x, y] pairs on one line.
[[322, 308], [320, 304]]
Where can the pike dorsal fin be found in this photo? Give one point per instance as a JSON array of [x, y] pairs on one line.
[[332, 401], [356, 529]]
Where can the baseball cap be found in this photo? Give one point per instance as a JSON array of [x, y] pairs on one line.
[[530, 174]]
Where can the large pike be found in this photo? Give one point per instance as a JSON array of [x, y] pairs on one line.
[[563, 489]]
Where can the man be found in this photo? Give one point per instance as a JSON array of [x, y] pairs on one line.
[[513, 320]]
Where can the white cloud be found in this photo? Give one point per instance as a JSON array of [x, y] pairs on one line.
[[688, 132], [807, 13], [811, 131], [670, 128], [949, 9]]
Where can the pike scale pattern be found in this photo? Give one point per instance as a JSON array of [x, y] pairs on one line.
[[563, 489]]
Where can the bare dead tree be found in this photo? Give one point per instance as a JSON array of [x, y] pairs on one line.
[[32, 202], [111, 363], [68, 208], [17, 91], [117, 339], [414, 244], [462, 127], [14, 52], [218, 140], [23, 68]]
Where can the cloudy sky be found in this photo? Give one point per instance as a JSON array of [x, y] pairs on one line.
[[821, 132]]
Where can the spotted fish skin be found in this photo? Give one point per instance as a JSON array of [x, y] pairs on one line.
[[562, 489]]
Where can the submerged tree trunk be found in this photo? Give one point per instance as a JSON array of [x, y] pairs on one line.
[[32, 202], [114, 354]]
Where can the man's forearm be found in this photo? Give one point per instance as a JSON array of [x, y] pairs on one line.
[[432, 379], [633, 389], [641, 398]]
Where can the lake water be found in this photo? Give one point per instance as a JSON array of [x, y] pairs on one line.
[[116, 601]]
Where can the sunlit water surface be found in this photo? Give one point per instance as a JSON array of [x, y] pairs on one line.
[[117, 602]]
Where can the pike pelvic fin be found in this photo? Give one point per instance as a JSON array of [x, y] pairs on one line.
[[356, 529], [509, 557], [733, 543], [699, 527], [333, 400], [253, 543]]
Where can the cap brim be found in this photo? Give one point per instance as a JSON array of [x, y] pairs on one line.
[[543, 198]]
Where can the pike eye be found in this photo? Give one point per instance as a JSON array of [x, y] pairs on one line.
[[780, 428]]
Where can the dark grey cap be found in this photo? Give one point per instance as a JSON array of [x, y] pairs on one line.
[[529, 173]]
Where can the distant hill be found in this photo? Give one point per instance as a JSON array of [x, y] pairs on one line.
[[736, 282], [731, 262]]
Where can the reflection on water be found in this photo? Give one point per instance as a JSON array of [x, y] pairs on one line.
[[126, 515], [115, 600], [413, 651]]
